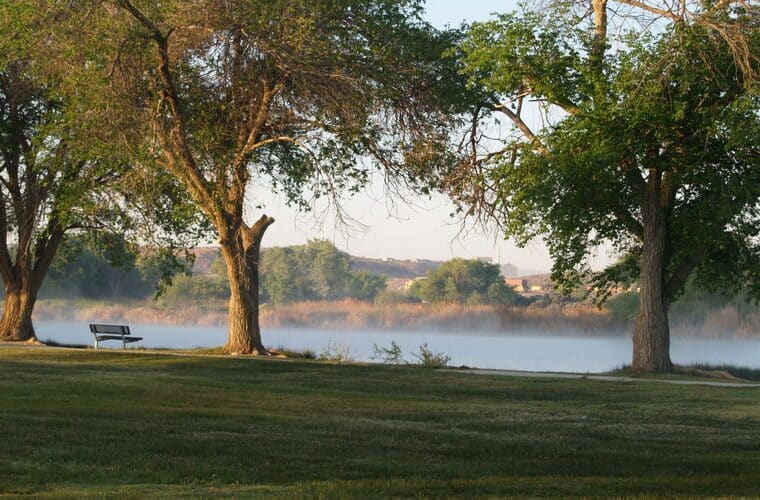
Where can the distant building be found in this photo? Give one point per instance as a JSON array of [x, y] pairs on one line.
[[509, 270], [517, 284]]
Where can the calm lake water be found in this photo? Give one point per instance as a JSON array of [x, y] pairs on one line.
[[516, 351]]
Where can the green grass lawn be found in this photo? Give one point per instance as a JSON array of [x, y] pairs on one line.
[[77, 423]]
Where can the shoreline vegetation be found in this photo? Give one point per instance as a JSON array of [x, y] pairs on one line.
[[558, 319]]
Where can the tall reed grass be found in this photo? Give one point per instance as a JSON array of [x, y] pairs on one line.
[[570, 318]]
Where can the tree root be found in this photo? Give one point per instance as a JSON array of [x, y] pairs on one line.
[[721, 374], [269, 353]]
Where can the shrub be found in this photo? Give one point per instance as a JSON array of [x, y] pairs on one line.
[[430, 359], [336, 353], [392, 355]]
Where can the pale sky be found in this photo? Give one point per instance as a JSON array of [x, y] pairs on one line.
[[423, 229]]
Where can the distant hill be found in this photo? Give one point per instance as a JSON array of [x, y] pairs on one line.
[[393, 268], [204, 257]]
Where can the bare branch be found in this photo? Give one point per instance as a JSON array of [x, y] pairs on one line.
[[520, 124]]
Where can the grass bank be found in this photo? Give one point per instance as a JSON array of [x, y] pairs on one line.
[[75, 423]]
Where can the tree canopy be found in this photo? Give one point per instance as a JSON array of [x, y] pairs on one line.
[[315, 271], [465, 281], [297, 96], [649, 145], [60, 171]]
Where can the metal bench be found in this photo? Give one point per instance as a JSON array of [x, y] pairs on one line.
[[112, 332]]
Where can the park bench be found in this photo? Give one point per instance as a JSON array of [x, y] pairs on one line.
[[112, 332]]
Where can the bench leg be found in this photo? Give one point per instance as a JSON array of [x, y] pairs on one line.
[[123, 343], [96, 342]]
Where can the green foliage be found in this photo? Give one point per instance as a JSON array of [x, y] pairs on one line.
[[315, 271], [695, 303], [670, 113], [336, 353], [464, 281], [194, 289], [354, 79], [364, 285], [103, 265], [61, 172], [329, 269], [392, 355], [624, 307], [430, 359]]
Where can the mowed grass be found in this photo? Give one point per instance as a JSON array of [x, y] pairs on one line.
[[79, 423]]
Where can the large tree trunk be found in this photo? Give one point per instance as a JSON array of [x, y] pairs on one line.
[[16, 323], [651, 335], [241, 253]]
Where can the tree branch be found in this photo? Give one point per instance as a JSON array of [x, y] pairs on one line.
[[678, 279], [177, 134], [651, 9], [520, 124]]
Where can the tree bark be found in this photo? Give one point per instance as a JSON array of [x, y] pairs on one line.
[[241, 251], [651, 335], [16, 323], [600, 32]]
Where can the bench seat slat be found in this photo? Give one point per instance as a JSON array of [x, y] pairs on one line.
[[120, 329], [112, 332], [118, 337]]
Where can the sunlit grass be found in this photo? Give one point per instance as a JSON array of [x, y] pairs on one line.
[[86, 422], [742, 372]]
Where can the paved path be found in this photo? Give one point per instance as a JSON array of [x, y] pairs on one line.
[[605, 378]]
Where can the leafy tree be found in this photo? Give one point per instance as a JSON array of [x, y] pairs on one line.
[[285, 276], [317, 270], [651, 146], [292, 95], [58, 174], [90, 268], [48, 180], [363, 285], [329, 269], [465, 281], [98, 265], [195, 289]]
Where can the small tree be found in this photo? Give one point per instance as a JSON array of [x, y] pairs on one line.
[[363, 285]]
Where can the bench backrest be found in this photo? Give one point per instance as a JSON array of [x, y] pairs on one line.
[[118, 329]]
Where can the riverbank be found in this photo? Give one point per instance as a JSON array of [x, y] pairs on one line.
[[344, 314], [85, 423], [574, 319]]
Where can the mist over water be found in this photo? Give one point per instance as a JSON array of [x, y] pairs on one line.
[[520, 350]]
